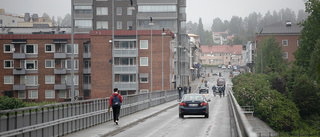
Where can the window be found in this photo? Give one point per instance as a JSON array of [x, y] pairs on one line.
[[102, 24], [143, 44], [87, 48], [83, 23], [66, 79], [33, 94], [144, 91], [68, 64], [298, 42], [143, 61], [157, 8], [31, 49], [0, 21], [119, 10], [69, 48], [50, 79], [126, 61], [83, 9], [102, 11], [8, 48], [119, 24], [62, 94], [127, 78], [284, 42], [29, 80], [31, 64], [285, 55], [76, 93], [87, 64], [126, 44], [143, 80], [8, 79], [50, 94], [129, 25], [49, 48], [87, 79], [8, 64], [129, 11], [21, 94], [49, 64]]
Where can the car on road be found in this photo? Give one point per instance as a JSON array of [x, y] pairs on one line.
[[194, 104], [203, 89], [229, 66], [221, 82], [223, 66], [220, 65]]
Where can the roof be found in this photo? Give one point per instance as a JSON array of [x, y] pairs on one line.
[[235, 49], [26, 30], [281, 28]]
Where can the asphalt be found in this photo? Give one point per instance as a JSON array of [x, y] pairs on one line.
[[109, 128]]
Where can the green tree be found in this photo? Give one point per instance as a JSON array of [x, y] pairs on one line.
[[309, 35], [217, 25], [207, 38], [269, 56], [200, 30], [10, 103], [315, 62]]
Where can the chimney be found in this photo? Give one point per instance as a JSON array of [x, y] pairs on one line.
[[288, 24], [35, 18], [27, 17]]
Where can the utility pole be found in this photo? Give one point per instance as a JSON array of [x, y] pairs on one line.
[[72, 56]]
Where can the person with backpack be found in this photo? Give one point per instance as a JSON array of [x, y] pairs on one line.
[[115, 102], [179, 91]]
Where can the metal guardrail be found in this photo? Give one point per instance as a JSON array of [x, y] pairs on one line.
[[63, 118], [243, 128]]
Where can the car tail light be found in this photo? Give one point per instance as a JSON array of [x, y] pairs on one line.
[[183, 104], [203, 104]]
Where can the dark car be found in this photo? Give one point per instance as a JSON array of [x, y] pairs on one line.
[[194, 104], [203, 89], [221, 82]]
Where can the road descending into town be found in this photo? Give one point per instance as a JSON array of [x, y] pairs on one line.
[[168, 123]]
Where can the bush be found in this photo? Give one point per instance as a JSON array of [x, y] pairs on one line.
[[10, 103]]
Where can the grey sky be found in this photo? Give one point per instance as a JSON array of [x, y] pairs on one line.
[[206, 9]]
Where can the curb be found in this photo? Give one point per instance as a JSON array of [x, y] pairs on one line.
[[114, 132]]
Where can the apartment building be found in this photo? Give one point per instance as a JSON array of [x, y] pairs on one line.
[[221, 54], [286, 33]]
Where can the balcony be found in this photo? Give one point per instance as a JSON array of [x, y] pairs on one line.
[[126, 85], [183, 17], [87, 55], [19, 71], [60, 55], [19, 87], [60, 86], [87, 86], [125, 69], [19, 56], [125, 53], [86, 70], [60, 71]]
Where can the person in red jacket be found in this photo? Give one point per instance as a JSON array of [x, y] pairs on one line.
[[115, 102]]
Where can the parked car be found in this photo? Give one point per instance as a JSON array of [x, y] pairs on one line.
[[203, 89], [221, 82], [194, 104], [223, 66], [229, 66], [220, 65]]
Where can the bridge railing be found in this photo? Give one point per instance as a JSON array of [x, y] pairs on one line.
[[63, 118], [243, 128]]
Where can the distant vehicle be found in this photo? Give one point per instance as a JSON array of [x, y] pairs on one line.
[[215, 74], [229, 66], [203, 89], [235, 74], [223, 67], [221, 82], [220, 65], [194, 104]]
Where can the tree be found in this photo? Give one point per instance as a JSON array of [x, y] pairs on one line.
[[235, 25], [200, 30], [217, 25], [315, 62], [192, 27], [302, 15], [207, 38], [45, 15], [59, 21], [270, 55], [309, 36], [66, 20]]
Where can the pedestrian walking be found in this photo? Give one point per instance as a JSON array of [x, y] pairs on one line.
[[115, 102], [214, 90], [185, 89], [223, 89], [189, 89], [179, 90]]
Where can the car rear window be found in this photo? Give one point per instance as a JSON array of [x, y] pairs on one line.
[[193, 98]]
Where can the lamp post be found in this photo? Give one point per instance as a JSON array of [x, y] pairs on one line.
[[151, 24], [163, 33], [72, 56], [113, 45]]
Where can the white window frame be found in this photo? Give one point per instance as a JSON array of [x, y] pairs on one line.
[[11, 64], [284, 56], [33, 94], [31, 61], [142, 46], [50, 79], [62, 94], [23, 80], [22, 92], [76, 64], [11, 48], [101, 25], [298, 41], [144, 91], [35, 48], [141, 61], [128, 24], [119, 10], [100, 11], [65, 80], [143, 81], [76, 93], [52, 63], [75, 48], [119, 24], [129, 10], [50, 94], [10, 78], [53, 47], [286, 43]]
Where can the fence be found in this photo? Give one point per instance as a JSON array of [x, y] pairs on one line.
[[63, 118]]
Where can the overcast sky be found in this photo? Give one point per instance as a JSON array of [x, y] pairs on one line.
[[206, 9]]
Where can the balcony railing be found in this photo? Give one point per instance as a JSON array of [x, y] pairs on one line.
[[87, 86], [126, 85], [60, 71], [60, 55], [125, 52], [86, 70], [86, 55], [19, 55], [19, 87], [19, 71], [60, 86], [119, 69]]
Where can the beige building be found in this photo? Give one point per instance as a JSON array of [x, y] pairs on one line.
[[221, 54]]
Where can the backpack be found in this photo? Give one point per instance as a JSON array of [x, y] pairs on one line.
[[116, 101]]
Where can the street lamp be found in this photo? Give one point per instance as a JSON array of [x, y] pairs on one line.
[[151, 24], [163, 33]]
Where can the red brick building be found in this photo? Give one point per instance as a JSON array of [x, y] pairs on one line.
[[286, 33], [37, 67]]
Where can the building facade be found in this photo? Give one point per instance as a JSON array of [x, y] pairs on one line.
[[221, 54]]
